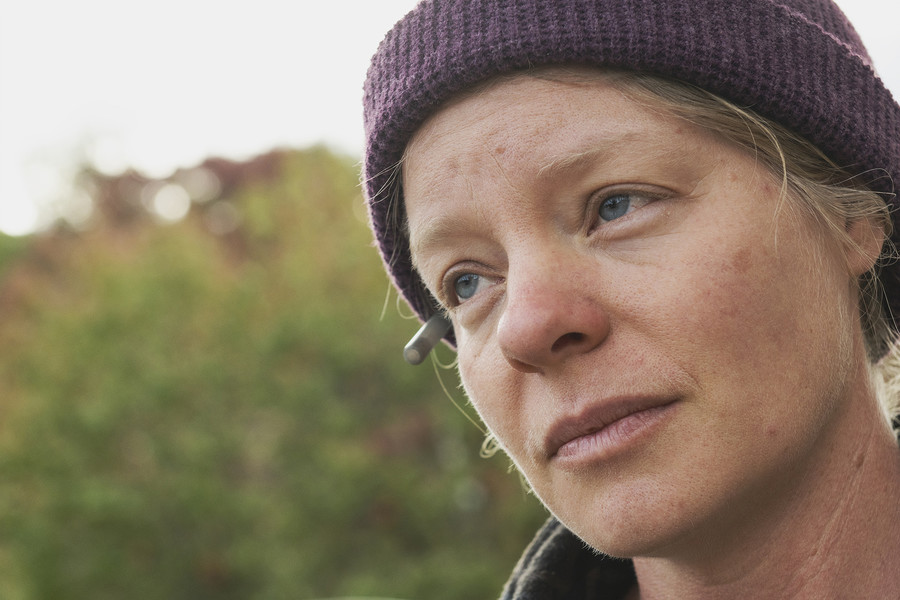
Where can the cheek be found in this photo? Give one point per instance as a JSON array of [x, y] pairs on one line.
[[749, 302], [483, 384], [736, 298], [492, 388], [760, 325]]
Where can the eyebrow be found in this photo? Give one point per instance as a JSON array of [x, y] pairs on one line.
[[435, 231], [596, 151], [440, 229], [573, 161]]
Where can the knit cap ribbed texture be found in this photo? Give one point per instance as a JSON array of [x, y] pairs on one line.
[[797, 62]]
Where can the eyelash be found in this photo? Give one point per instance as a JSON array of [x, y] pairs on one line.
[[642, 198], [450, 298]]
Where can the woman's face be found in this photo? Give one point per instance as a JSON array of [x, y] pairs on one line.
[[660, 343]]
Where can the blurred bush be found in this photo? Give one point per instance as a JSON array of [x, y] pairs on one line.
[[213, 408]]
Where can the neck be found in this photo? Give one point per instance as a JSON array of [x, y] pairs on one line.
[[831, 532]]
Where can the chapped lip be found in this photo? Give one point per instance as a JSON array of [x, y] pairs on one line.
[[597, 417]]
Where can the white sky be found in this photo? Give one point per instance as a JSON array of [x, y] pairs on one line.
[[164, 84]]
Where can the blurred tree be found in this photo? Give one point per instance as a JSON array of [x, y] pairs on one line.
[[212, 408]]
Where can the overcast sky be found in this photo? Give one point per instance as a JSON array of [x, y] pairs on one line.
[[164, 84]]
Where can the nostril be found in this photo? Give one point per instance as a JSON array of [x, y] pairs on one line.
[[569, 339]]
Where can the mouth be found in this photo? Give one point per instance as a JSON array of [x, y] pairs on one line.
[[605, 428]]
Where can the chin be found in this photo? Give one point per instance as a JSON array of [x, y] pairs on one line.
[[636, 520]]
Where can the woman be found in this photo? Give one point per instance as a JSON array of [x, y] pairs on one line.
[[659, 233]]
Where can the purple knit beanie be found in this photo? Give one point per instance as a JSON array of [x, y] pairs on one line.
[[797, 62]]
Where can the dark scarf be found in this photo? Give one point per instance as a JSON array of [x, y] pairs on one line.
[[559, 566]]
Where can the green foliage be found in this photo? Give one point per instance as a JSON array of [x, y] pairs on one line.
[[10, 249], [190, 415]]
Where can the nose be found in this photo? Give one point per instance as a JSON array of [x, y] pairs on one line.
[[552, 313]]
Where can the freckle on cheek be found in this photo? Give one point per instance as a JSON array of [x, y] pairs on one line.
[[740, 262]]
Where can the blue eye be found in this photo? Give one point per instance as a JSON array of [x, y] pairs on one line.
[[614, 207], [466, 285]]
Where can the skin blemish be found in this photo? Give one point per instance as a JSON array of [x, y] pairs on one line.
[[742, 260]]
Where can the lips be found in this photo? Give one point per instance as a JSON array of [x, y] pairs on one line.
[[604, 426]]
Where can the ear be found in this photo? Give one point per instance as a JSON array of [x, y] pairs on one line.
[[867, 237]]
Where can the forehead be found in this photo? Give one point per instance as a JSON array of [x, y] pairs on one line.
[[527, 132], [538, 115]]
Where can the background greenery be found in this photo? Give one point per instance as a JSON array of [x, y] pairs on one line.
[[216, 409]]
